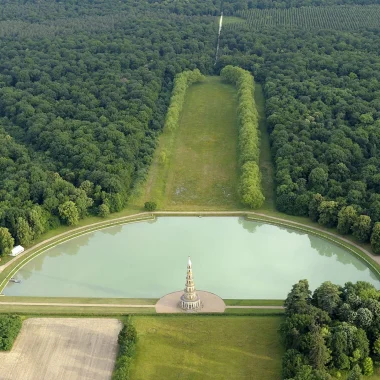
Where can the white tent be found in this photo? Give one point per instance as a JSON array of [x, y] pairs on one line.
[[17, 250]]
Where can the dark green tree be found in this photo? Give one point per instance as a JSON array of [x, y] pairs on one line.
[[346, 218], [298, 299], [24, 233], [319, 354], [355, 373], [6, 241], [104, 210], [375, 238], [328, 213], [314, 207], [292, 362], [150, 206], [69, 213], [361, 228], [327, 297]]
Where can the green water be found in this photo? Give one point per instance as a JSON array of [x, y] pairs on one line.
[[232, 257]]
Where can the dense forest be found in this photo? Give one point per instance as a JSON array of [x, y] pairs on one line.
[[85, 87], [332, 331], [80, 113]]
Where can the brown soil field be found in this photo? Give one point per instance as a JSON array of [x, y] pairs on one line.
[[62, 349]]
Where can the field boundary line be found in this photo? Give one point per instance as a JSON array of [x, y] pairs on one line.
[[74, 304], [125, 306]]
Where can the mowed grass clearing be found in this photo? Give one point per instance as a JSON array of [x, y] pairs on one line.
[[266, 165], [207, 347], [201, 168]]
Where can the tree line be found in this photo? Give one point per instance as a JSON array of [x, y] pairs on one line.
[[127, 340], [10, 326], [249, 145], [46, 10], [331, 332], [181, 83]]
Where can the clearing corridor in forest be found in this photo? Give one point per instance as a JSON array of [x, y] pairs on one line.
[[196, 166]]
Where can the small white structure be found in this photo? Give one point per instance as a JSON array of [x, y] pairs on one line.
[[17, 250]]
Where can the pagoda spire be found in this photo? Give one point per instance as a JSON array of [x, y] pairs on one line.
[[190, 299]]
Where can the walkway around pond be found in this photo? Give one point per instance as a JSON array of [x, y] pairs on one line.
[[41, 247], [117, 305]]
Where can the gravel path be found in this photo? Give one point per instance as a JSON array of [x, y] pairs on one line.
[[119, 305]]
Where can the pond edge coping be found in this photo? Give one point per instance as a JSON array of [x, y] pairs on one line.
[[43, 246]]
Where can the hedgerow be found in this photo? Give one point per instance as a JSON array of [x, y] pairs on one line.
[[249, 148], [127, 346], [10, 326], [181, 83]]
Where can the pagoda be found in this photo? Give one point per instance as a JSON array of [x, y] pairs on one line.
[[190, 299]]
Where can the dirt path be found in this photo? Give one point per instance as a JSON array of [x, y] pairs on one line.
[[117, 305]]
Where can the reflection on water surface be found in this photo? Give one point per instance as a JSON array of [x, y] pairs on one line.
[[232, 257]]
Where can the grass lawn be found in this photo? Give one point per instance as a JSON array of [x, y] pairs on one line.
[[207, 347], [266, 166], [258, 302], [78, 300], [69, 311], [201, 170]]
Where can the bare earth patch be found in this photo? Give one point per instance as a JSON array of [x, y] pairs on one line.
[[62, 349]]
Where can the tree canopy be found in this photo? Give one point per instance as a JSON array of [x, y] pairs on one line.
[[332, 331]]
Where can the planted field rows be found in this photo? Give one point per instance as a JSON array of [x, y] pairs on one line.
[[61, 349], [336, 17]]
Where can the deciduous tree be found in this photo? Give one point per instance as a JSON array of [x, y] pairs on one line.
[[361, 228], [327, 297], [24, 233], [69, 213], [375, 238], [6, 241], [346, 218]]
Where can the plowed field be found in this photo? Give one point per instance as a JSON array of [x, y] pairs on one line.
[[62, 349]]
